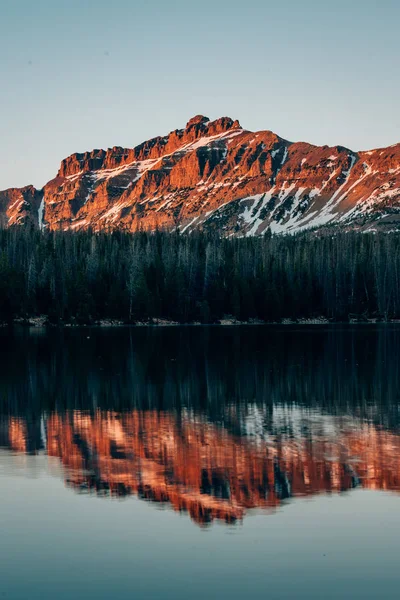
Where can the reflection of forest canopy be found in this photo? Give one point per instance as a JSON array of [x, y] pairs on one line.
[[197, 277], [216, 371], [213, 420]]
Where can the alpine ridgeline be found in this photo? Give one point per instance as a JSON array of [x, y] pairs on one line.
[[216, 175]]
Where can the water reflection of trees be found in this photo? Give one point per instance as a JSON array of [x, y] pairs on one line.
[[339, 370], [213, 421]]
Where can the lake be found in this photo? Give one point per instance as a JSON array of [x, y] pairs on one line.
[[200, 462]]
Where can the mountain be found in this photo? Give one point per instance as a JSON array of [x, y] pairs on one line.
[[21, 205], [216, 175]]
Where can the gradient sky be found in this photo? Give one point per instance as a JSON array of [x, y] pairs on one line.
[[83, 74]]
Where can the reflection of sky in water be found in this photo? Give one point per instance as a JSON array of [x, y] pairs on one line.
[[58, 544], [289, 449]]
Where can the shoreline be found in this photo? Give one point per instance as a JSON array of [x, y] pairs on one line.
[[43, 322]]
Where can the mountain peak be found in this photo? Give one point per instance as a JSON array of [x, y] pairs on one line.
[[215, 175], [214, 127], [197, 120]]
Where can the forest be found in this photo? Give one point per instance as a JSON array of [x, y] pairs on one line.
[[87, 277]]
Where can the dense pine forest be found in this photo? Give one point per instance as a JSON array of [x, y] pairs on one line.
[[85, 277]]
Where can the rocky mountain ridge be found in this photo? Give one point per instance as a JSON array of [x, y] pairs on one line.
[[215, 175]]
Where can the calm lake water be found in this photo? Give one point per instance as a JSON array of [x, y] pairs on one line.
[[200, 463]]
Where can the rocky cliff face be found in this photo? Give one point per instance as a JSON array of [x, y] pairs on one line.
[[216, 175], [21, 206]]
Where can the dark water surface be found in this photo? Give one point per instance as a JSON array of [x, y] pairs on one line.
[[188, 463]]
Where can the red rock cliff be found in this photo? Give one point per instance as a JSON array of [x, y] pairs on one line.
[[216, 175]]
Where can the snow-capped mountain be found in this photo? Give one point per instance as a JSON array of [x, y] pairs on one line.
[[215, 174]]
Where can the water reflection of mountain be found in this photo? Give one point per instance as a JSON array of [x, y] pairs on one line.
[[201, 467], [215, 421]]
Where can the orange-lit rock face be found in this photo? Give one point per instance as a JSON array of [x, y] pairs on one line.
[[20, 206], [204, 469], [217, 175]]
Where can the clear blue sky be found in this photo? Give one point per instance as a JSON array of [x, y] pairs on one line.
[[83, 74]]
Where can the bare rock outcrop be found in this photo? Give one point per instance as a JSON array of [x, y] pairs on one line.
[[216, 175]]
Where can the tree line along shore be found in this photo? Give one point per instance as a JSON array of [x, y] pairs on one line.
[[161, 278]]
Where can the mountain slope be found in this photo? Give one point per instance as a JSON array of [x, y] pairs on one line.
[[220, 176]]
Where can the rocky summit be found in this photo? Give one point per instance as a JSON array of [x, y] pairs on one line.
[[215, 175]]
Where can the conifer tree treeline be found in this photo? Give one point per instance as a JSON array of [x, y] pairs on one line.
[[86, 276]]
